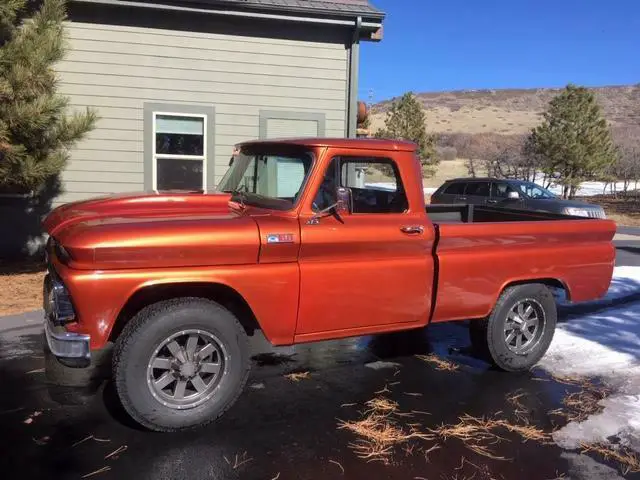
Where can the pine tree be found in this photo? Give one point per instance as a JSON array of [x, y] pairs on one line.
[[36, 129], [574, 140], [406, 121]]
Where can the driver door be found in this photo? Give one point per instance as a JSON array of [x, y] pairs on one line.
[[367, 270]]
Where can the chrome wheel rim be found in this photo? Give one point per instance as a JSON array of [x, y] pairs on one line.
[[524, 326], [186, 368]]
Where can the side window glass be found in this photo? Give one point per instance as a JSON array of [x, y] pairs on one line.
[[501, 190], [478, 189], [455, 189], [375, 185]]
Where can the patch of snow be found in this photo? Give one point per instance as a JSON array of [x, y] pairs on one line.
[[602, 339], [379, 365], [589, 189], [619, 418]]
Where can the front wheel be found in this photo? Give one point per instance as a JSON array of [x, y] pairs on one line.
[[519, 330], [180, 364]]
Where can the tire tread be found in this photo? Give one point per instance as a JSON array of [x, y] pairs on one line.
[[128, 336]]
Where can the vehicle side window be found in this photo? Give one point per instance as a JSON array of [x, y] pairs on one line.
[[479, 189], [375, 185], [501, 189], [456, 188]]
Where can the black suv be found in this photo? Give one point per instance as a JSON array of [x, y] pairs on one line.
[[510, 194]]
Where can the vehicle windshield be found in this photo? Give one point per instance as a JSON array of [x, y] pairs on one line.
[[532, 190], [267, 179]]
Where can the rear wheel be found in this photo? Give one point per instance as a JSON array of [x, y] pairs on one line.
[[180, 364], [519, 330]]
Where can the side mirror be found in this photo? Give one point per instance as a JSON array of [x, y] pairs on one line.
[[513, 195], [344, 201]]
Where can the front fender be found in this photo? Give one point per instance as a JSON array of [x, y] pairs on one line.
[[270, 290]]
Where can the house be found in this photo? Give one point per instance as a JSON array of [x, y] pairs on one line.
[[178, 82]]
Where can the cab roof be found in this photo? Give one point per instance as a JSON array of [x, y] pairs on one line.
[[350, 143]]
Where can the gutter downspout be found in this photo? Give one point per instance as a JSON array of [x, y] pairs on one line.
[[354, 69]]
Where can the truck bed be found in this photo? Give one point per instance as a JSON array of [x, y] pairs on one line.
[[480, 249], [464, 213]]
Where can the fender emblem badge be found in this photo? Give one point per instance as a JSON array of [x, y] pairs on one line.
[[280, 238]]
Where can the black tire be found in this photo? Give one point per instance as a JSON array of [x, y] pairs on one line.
[[488, 335], [142, 336]]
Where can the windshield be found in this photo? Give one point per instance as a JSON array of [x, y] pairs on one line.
[[532, 190], [267, 179]]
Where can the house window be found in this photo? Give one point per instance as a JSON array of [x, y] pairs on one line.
[[178, 147], [180, 151]]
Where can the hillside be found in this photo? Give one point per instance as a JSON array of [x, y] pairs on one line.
[[511, 111]]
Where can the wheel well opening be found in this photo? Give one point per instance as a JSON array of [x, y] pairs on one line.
[[222, 294], [560, 291]]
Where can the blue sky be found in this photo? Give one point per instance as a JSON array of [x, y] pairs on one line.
[[435, 45]]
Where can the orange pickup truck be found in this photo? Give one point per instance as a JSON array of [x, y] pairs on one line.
[[299, 242]]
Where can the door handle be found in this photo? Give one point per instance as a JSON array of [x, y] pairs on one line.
[[412, 229], [492, 201], [462, 198]]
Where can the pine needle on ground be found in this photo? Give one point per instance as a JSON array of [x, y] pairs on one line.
[[439, 363], [297, 376], [628, 459]]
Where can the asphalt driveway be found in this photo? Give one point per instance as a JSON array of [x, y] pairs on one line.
[[286, 429]]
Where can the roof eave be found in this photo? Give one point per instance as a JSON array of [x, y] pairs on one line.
[[371, 21], [370, 14]]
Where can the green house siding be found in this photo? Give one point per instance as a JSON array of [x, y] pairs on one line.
[[257, 86]]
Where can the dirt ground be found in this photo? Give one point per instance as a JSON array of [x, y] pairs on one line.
[[20, 287], [623, 211]]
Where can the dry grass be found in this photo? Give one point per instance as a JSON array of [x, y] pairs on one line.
[[379, 433], [624, 211], [238, 461], [479, 433], [509, 111], [578, 406], [521, 412], [439, 363], [469, 120], [628, 459], [297, 376], [475, 433], [20, 288]]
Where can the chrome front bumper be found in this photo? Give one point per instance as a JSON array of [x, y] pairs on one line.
[[67, 345]]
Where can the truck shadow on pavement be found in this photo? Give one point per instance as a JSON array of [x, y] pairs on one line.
[[613, 322]]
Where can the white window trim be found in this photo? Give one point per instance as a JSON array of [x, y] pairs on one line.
[[203, 157]]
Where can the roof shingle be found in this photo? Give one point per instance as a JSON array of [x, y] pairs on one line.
[[339, 7]]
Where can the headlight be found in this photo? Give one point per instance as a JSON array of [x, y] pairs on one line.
[[576, 212]]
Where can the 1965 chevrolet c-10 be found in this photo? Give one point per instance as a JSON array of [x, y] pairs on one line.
[[296, 243]]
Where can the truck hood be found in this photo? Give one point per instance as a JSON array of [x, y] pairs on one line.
[[150, 230]]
